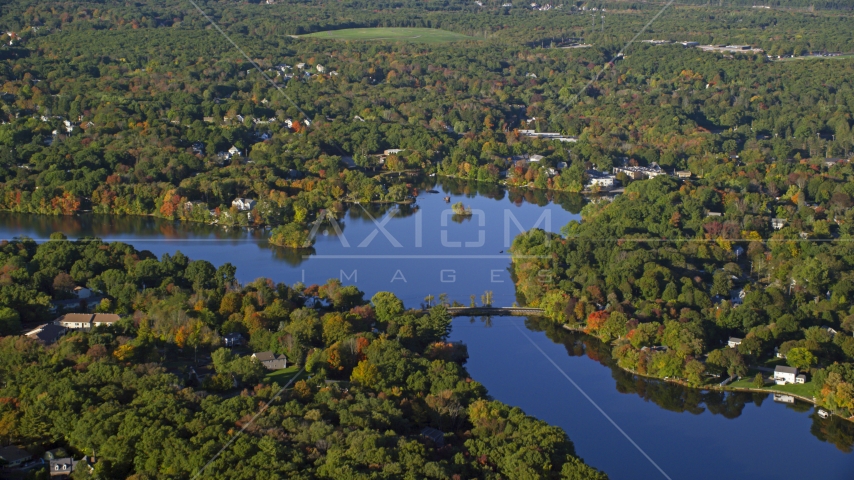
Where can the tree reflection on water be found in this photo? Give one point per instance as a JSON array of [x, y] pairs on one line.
[[677, 398]]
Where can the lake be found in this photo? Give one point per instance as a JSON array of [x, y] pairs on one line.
[[425, 249]]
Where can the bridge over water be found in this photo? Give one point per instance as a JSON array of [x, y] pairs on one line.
[[494, 311]]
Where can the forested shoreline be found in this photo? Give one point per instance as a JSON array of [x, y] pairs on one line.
[[377, 375]]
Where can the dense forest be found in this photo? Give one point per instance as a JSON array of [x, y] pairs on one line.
[[688, 265], [145, 108]]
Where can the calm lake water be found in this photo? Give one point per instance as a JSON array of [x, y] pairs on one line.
[[424, 249]]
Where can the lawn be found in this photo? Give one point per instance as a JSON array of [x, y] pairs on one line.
[[283, 376], [395, 34], [802, 389]]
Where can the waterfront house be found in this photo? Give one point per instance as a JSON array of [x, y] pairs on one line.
[[733, 342], [595, 178], [270, 360], [801, 378], [243, 204], [784, 375]]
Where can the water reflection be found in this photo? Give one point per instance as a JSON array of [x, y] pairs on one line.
[[677, 398]]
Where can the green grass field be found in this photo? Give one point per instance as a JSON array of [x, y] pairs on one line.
[[394, 34], [281, 376], [802, 389]]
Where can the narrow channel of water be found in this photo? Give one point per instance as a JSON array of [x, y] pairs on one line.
[[689, 433]]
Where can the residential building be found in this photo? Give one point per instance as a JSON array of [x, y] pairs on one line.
[[801, 378], [243, 204], [233, 339], [270, 360], [85, 321], [47, 334], [13, 456], [639, 173], [75, 321], [63, 467], [778, 223], [105, 319], [784, 374], [733, 342], [595, 178], [548, 135], [437, 436], [683, 174]]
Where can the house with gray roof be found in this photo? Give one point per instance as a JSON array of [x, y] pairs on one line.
[[13, 456], [436, 436], [270, 360], [47, 334]]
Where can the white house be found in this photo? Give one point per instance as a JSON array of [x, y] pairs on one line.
[[801, 378], [778, 223], [602, 182], [320, 68], [85, 321], [75, 320], [301, 66], [234, 151], [243, 204], [733, 342], [535, 158], [784, 375]]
